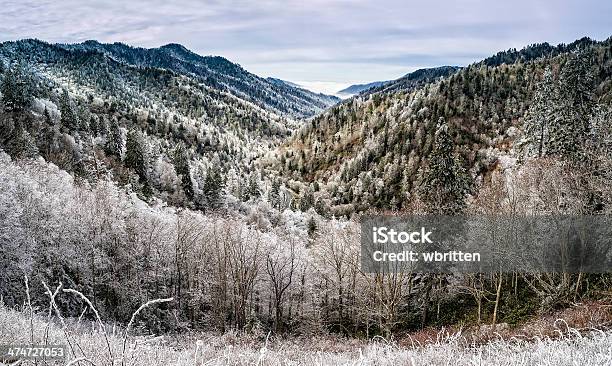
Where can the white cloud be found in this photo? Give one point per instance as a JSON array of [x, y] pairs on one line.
[[330, 41]]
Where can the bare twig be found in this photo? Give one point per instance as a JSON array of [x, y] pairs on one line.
[[53, 305], [30, 307], [127, 329], [72, 291]]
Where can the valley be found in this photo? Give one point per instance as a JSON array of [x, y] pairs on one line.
[[132, 174]]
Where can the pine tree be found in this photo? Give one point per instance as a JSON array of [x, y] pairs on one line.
[[136, 156], [311, 227], [444, 183], [539, 117], [274, 194], [183, 170], [24, 146], [573, 110], [322, 208], [84, 120], [252, 190], [307, 200], [69, 119], [114, 140], [16, 89], [46, 135], [213, 188]]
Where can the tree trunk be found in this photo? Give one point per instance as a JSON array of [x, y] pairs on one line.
[[497, 296]]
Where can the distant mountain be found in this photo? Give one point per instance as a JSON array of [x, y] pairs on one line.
[[406, 82], [412, 80], [219, 73], [89, 108], [358, 88], [283, 82]]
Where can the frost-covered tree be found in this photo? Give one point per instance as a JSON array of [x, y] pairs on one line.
[[69, 118], [114, 140], [444, 182], [46, 135], [274, 194], [311, 227], [24, 146], [136, 155], [573, 110], [183, 170], [212, 189], [540, 116], [307, 200], [252, 189], [16, 89]]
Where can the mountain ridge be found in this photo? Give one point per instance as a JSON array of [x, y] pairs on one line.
[[384, 136], [358, 88], [218, 71]]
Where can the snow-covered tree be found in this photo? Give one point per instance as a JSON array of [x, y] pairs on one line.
[[212, 189], [274, 194], [573, 109], [69, 118], [540, 116], [137, 156], [16, 89], [444, 182], [114, 140], [183, 170]]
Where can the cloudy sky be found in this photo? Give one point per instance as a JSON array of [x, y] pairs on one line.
[[322, 44]]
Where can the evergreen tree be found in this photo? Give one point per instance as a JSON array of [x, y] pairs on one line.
[[69, 118], [46, 135], [47, 117], [114, 140], [444, 183], [321, 208], [136, 156], [183, 170], [307, 200], [274, 194], [540, 117], [16, 89], [573, 109], [24, 146], [213, 188], [252, 190], [84, 120], [311, 227]]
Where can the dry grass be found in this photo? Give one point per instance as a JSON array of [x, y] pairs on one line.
[[582, 318], [572, 348]]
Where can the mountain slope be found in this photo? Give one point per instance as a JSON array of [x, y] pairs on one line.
[[407, 82], [358, 88], [283, 82], [219, 73], [368, 151], [413, 80], [160, 131]]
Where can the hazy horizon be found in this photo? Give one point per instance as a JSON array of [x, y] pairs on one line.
[[322, 45]]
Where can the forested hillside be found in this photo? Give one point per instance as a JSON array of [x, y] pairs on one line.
[[131, 174], [99, 110], [371, 151], [412, 80], [219, 73]]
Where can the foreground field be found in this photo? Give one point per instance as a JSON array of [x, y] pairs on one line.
[[92, 346]]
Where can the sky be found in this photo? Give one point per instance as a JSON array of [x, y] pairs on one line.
[[324, 45]]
